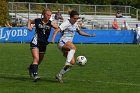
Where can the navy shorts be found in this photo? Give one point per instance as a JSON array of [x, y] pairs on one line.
[[42, 48]]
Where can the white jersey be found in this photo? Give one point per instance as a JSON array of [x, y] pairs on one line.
[[67, 32], [138, 31]]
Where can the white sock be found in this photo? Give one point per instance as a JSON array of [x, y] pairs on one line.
[[70, 56], [64, 70]]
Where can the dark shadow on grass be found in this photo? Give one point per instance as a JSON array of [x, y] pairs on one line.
[[26, 78], [51, 80], [19, 78]]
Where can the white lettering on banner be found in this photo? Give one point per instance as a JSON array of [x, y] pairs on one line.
[[5, 34], [25, 32], [1, 36], [13, 33], [19, 32]]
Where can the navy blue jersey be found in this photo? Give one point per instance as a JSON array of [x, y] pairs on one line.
[[42, 32]]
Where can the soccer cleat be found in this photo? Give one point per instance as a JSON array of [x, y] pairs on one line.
[[59, 78], [36, 78], [30, 72]]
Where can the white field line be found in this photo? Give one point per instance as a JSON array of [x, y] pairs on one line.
[[118, 83], [103, 82]]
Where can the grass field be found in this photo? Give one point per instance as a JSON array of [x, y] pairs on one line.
[[110, 69]]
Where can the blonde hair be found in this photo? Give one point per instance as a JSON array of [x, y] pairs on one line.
[[44, 10]]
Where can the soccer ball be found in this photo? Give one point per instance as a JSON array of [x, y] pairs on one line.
[[81, 60]]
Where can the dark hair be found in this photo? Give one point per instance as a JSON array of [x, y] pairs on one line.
[[72, 13]]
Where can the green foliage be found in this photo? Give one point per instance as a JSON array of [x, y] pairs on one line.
[[4, 12], [37, 8], [101, 2], [56, 6], [134, 3]]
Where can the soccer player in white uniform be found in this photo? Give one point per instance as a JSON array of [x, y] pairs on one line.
[[138, 34], [68, 29]]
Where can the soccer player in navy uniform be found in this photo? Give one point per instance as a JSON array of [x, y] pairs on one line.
[[39, 42]]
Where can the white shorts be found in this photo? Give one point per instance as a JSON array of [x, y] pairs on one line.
[[63, 42]]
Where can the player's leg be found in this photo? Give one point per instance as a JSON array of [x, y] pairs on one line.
[[35, 54], [42, 50], [138, 40], [68, 51], [34, 66], [70, 47], [41, 53], [41, 56], [73, 60], [65, 53]]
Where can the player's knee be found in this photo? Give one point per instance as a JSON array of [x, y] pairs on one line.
[[72, 61], [72, 50]]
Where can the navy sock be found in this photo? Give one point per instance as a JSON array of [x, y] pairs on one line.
[[34, 68]]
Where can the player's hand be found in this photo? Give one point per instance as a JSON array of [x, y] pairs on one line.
[[52, 41], [92, 35]]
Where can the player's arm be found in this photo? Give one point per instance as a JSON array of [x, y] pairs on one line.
[[55, 33], [54, 25], [30, 22], [85, 34]]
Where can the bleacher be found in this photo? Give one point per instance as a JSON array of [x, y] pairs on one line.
[[105, 21], [91, 21]]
